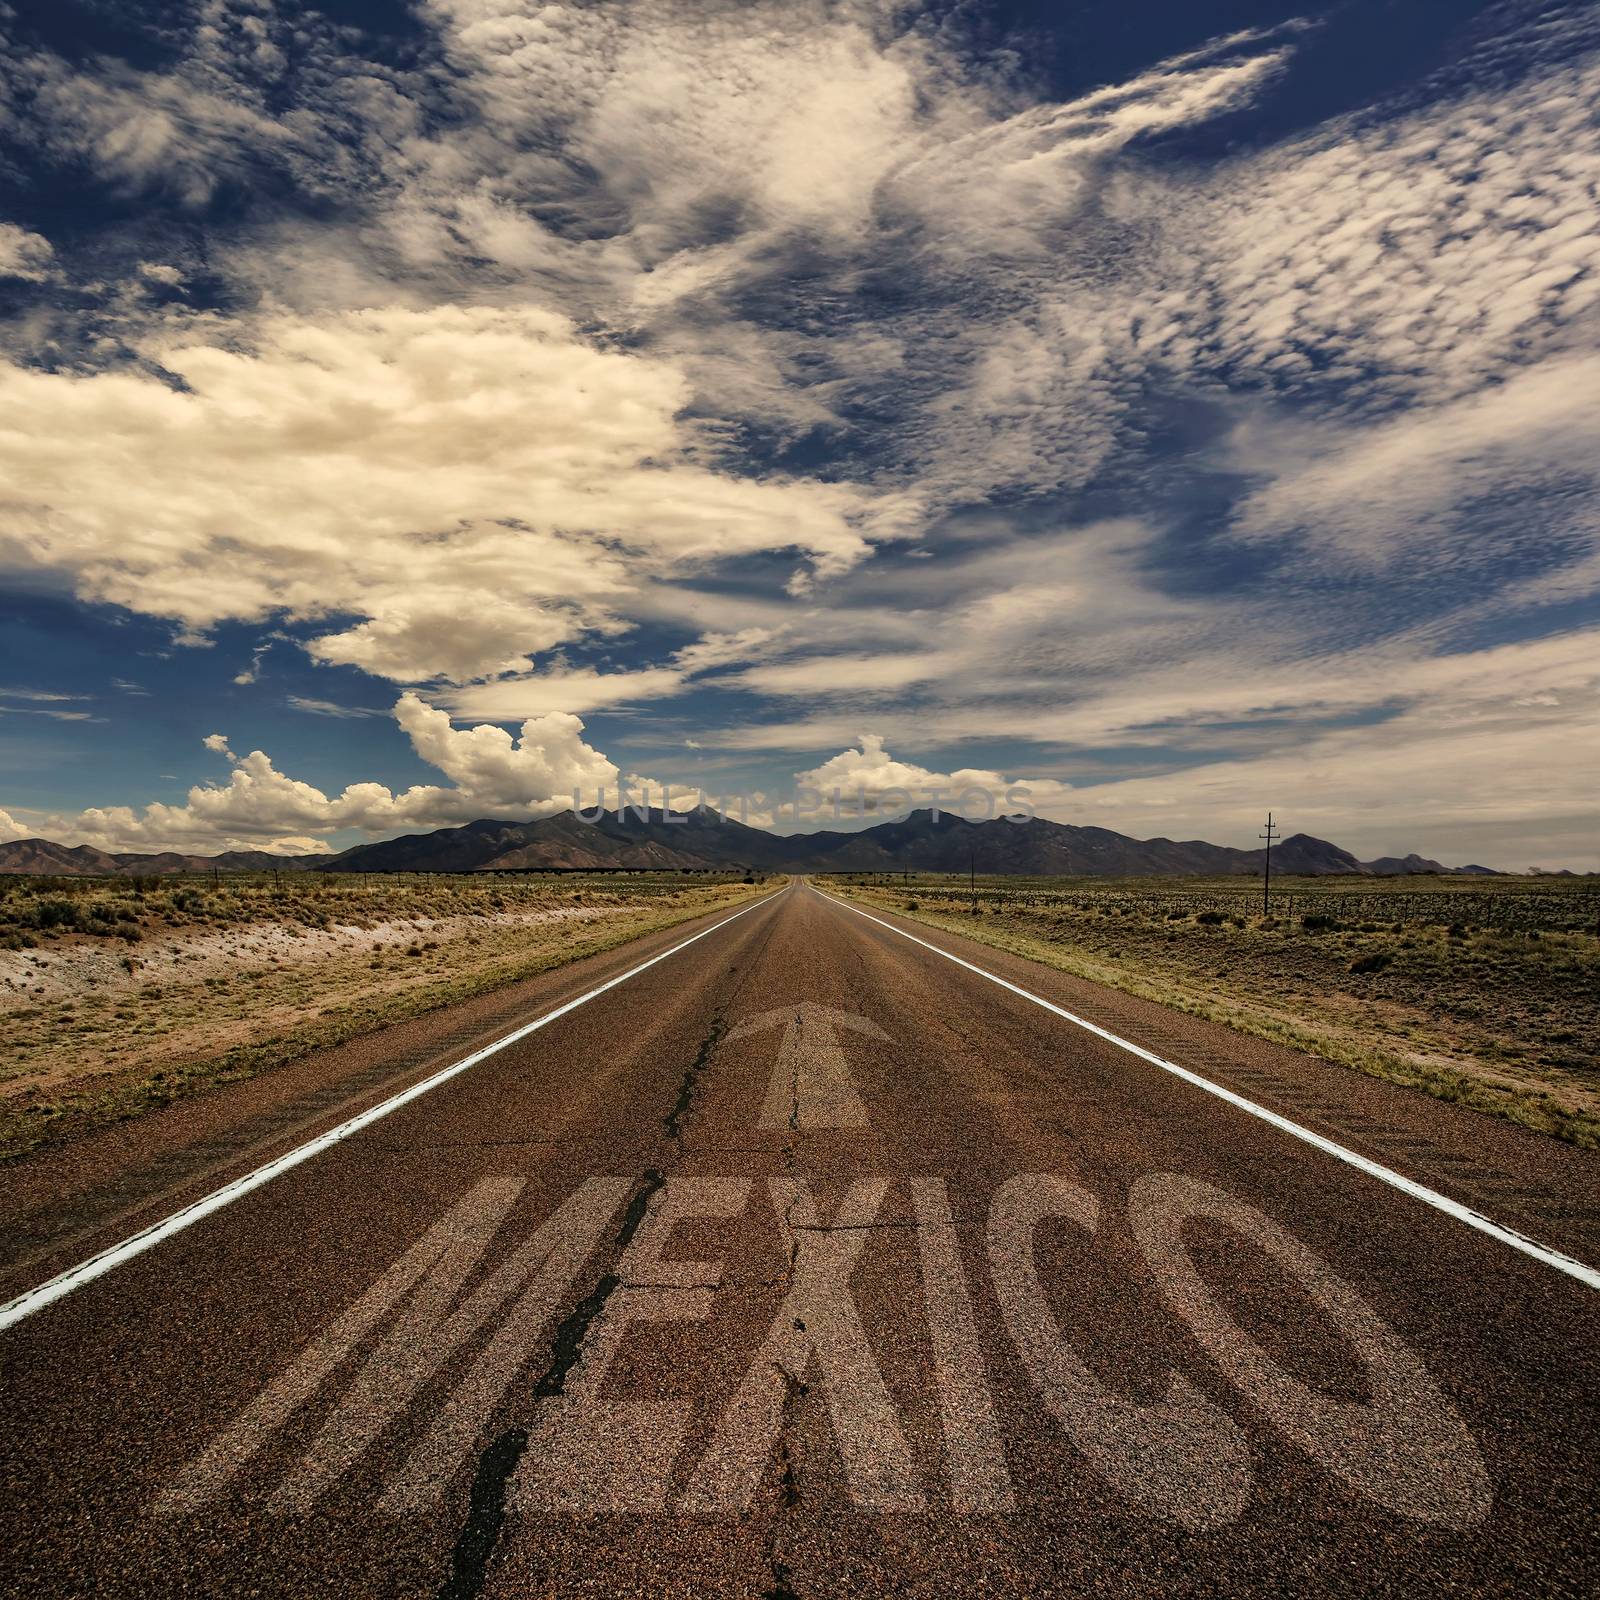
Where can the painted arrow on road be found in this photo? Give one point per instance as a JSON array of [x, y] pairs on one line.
[[811, 1083]]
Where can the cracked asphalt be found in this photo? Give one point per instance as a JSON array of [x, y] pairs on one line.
[[993, 1307]]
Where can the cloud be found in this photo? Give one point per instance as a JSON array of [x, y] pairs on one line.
[[1401, 258], [515, 483], [715, 650], [539, 694], [1378, 492], [36, 694], [55, 713], [543, 767], [11, 829], [252, 673], [872, 773], [538, 771], [330, 708], [25, 255], [843, 674], [1458, 772], [511, 335], [1447, 754], [205, 124], [1407, 257]]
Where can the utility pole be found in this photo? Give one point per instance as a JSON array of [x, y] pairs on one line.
[[1266, 877]]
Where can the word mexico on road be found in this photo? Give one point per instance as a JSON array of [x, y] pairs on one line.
[[1405, 1448]]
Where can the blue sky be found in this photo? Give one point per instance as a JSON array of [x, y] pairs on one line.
[[412, 413]]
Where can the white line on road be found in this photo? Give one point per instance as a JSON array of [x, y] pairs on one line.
[[136, 1244], [1373, 1169]]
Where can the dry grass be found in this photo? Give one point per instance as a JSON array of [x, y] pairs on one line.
[[1482, 992], [130, 1000]]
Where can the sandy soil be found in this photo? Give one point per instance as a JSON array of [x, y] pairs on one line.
[[73, 970]]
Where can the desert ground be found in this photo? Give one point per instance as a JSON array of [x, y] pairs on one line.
[[120, 995]]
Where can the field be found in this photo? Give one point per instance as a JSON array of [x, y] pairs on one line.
[[1485, 992], [117, 995]]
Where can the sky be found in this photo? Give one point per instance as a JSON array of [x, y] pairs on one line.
[[412, 413]]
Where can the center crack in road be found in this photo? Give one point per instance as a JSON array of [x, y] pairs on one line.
[[486, 1508]]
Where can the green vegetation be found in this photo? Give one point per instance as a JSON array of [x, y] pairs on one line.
[[1484, 992], [118, 995]]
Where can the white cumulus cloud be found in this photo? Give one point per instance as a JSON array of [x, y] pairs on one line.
[[471, 484], [543, 768], [869, 771]]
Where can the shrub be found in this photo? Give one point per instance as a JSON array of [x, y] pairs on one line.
[[55, 914], [1375, 962], [1320, 922], [1210, 919]]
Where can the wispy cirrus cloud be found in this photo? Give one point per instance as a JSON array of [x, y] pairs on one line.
[[24, 255]]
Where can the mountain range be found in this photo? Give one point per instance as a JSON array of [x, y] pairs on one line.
[[705, 840]]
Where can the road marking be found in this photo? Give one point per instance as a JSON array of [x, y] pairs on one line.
[[429, 1334], [564, 1244], [817, 1322], [591, 1455], [444, 1254], [1404, 1447], [136, 1244], [811, 1084], [974, 1455], [1401, 1444], [1373, 1169], [1180, 1457], [420, 1341]]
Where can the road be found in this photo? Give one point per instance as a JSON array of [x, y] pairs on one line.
[[808, 1262]]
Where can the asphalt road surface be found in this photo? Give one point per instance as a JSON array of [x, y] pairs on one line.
[[807, 1261]]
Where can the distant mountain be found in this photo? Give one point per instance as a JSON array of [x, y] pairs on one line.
[[695, 840], [1393, 866], [46, 858], [703, 839]]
